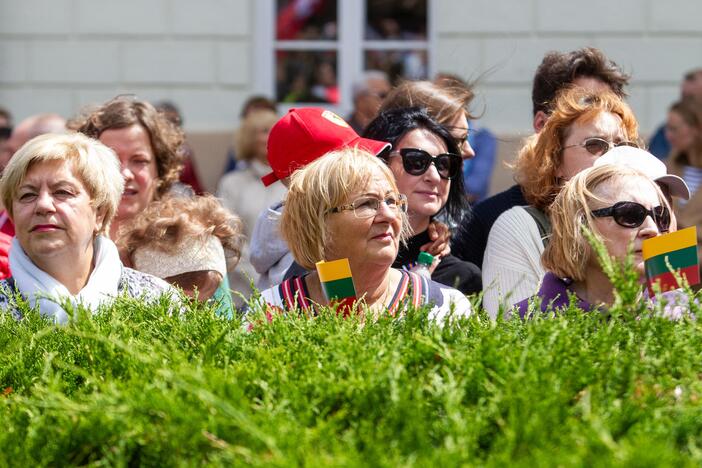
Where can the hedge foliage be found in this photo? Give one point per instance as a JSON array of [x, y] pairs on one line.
[[135, 385]]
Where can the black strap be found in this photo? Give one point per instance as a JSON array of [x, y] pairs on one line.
[[542, 221]]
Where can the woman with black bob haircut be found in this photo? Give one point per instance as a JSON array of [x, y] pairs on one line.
[[427, 166]]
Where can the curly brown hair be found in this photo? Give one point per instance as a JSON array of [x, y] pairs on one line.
[[166, 223], [166, 138], [538, 161]]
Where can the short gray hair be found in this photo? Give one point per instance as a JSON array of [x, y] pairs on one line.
[[95, 165]]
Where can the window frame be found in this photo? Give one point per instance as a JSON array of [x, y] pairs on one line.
[[350, 46]]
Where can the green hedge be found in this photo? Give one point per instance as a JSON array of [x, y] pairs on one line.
[[136, 386]]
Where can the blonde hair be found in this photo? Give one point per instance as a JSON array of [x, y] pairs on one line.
[[317, 188], [166, 224], [538, 161], [568, 251], [95, 165], [245, 142]]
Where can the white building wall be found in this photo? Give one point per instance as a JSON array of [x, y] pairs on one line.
[[501, 42], [58, 55]]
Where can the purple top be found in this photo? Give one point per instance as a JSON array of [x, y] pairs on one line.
[[554, 295]]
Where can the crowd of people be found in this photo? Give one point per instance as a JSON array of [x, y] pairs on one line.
[[100, 206]]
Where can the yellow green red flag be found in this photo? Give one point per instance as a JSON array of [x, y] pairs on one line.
[[337, 283], [677, 248]]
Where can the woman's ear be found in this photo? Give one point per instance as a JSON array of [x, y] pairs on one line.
[[100, 214]]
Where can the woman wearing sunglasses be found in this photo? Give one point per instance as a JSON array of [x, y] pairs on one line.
[[622, 207], [581, 128], [346, 204], [427, 166]]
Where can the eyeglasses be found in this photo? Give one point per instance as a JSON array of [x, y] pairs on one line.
[[416, 162], [367, 207], [632, 215], [462, 131], [598, 146]]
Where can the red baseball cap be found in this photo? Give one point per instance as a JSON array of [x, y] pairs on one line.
[[303, 135]]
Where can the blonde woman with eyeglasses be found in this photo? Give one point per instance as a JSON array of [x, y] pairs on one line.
[[346, 204]]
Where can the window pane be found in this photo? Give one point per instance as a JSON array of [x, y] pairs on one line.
[[396, 20], [398, 64], [306, 20], [306, 76]]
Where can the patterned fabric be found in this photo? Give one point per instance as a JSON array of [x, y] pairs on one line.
[[412, 289], [133, 283]]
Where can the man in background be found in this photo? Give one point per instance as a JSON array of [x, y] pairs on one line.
[[368, 92], [587, 67]]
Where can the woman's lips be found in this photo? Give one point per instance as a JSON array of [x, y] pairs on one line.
[[44, 228], [128, 192], [383, 236]]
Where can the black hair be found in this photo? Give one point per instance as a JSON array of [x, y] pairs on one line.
[[393, 124]]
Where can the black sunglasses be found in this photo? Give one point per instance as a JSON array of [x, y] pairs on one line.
[[598, 146], [416, 162], [632, 215]]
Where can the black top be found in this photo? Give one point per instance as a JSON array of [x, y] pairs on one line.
[[451, 271], [470, 239]]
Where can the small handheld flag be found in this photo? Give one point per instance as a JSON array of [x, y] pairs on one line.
[[680, 250], [337, 283]]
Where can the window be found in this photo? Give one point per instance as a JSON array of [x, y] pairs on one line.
[[309, 52]]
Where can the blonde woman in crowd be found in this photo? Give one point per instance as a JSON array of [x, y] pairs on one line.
[[622, 207], [62, 192], [346, 204], [242, 192]]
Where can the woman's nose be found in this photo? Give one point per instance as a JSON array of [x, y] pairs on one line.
[[385, 213], [467, 151], [432, 173], [45, 202], [649, 228], [127, 173]]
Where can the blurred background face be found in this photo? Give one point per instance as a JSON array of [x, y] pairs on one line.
[[459, 131], [261, 144], [204, 282], [618, 238], [139, 170], [679, 133], [605, 125]]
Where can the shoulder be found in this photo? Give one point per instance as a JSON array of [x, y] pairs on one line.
[[512, 224], [491, 208], [137, 284]]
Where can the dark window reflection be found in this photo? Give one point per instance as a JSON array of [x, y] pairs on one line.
[[306, 20], [306, 76], [396, 20], [398, 64]]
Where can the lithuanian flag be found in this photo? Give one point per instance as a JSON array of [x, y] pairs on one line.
[[680, 250], [337, 283]]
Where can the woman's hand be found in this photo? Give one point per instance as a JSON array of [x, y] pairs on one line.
[[439, 246]]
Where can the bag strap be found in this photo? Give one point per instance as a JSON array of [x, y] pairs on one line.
[[542, 222]]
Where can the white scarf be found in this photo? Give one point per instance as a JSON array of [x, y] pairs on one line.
[[38, 286]]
